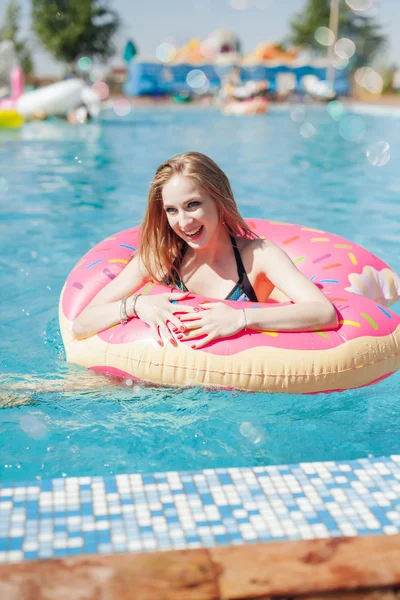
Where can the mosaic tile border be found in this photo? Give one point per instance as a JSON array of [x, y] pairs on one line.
[[213, 507]]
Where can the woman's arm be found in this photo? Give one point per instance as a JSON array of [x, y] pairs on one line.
[[311, 309], [104, 310]]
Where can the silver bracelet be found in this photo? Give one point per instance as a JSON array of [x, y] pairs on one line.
[[245, 320], [133, 305], [122, 311]]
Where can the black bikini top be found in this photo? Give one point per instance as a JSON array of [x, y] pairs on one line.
[[242, 291]]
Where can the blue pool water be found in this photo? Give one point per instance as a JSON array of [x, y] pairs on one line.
[[62, 189]]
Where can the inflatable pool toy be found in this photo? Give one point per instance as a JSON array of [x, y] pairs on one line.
[[364, 349], [252, 106], [58, 98], [10, 118]]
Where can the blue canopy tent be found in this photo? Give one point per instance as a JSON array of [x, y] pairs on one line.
[[155, 78]]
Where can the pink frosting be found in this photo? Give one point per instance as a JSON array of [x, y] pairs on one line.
[[327, 259]]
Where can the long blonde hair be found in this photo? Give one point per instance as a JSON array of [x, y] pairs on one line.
[[160, 246]]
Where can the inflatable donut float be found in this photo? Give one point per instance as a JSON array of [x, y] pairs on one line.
[[364, 349]]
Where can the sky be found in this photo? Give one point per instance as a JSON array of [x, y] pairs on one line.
[[150, 22]]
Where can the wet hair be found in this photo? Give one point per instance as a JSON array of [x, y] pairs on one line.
[[160, 247]]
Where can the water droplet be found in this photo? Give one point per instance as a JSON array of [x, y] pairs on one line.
[[359, 5], [307, 130], [379, 154], [84, 63], [128, 382], [101, 89], [166, 52], [345, 48], [352, 128], [122, 107], [196, 79], [324, 36], [297, 114]]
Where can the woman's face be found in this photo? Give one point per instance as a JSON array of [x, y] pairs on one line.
[[191, 212]]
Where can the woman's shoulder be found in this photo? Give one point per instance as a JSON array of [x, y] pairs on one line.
[[254, 245]]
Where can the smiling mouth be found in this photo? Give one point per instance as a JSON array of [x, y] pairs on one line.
[[194, 234]]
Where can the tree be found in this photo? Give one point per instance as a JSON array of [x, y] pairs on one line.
[[363, 30], [71, 28], [9, 31]]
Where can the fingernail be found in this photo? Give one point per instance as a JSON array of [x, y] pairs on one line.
[[173, 342], [160, 343], [182, 329], [196, 309], [194, 346]]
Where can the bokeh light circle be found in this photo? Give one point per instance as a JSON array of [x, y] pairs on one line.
[[369, 79], [352, 128], [166, 52], [307, 130], [101, 89], [122, 107], [378, 154], [3, 185], [84, 63], [251, 432], [196, 79], [324, 36], [96, 75], [297, 114], [240, 4], [335, 109], [345, 48], [359, 5]]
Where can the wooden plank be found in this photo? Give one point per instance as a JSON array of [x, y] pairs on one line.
[[328, 569]]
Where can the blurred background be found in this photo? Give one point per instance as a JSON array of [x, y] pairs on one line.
[[201, 50]]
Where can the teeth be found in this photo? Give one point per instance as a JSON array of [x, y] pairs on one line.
[[192, 232]]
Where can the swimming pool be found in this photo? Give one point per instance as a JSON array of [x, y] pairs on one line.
[[63, 189]]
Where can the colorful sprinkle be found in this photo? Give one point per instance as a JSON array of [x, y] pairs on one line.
[[101, 249], [281, 223], [322, 334], [147, 289], [338, 299], [385, 312], [325, 256], [332, 266], [95, 263], [109, 274], [320, 239], [109, 239], [311, 229], [292, 239], [352, 323], [299, 259], [353, 258], [370, 320], [342, 246], [312, 277], [77, 285], [329, 281], [118, 260], [129, 247], [271, 333], [252, 224]]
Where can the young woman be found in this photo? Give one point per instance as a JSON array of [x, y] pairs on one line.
[[194, 239]]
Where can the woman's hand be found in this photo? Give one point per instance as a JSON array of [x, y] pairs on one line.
[[217, 320], [158, 312]]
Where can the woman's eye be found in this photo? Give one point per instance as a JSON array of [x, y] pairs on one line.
[[170, 211], [193, 204]]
